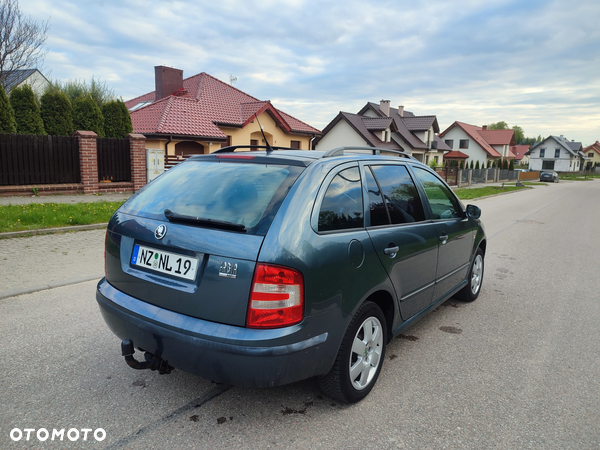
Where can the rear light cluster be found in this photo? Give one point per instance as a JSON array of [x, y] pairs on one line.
[[276, 298]]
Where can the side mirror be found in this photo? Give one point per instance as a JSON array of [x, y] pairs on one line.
[[473, 212]]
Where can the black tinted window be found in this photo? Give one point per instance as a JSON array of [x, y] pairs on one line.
[[240, 193], [342, 206], [444, 204], [400, 194], [379, 215]]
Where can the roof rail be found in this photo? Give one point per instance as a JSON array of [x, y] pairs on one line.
[[340, 151], [232, 148]]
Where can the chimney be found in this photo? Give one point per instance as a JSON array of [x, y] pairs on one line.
[[484, 127], [167, 81], [384, 105], [401, 111]]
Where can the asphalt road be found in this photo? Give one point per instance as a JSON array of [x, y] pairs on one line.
[[521, 370]]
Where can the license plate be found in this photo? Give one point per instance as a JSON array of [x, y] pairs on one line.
[[164, 262]]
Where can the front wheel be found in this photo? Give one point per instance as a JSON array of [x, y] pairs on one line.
[[471, 291], [359, 360]]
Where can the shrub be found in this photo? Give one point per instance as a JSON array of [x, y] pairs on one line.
[[511, 165], [27, 112], [477, 164], [7, 116], [471, 164], [57, 113], [87, 116], [462, 164], [117, 121], [505, 164]]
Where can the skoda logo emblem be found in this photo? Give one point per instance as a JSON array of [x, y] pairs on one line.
[[160, 231]]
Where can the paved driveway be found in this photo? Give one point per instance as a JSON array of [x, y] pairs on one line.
[[519, 368]]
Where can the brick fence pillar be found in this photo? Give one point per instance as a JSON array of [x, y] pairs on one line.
[[88, 161], [137, 150]]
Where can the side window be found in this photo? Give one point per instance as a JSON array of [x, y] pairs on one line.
[[342, 206], [444, 204], [400, 194], [379, 215]]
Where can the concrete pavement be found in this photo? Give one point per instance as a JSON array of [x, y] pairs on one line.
[[66, 256]]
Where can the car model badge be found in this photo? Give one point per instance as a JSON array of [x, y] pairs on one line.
[[160, 232], [228, 270]]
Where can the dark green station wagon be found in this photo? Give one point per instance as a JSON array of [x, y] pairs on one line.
[[261, 268]]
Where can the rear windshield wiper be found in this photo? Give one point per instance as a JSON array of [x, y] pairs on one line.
[[174, 217]]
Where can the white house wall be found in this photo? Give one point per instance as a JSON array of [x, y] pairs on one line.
[[475, 152], [565, 163], [340, 135]]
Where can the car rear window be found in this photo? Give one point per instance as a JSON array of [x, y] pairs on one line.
[[240, 193]]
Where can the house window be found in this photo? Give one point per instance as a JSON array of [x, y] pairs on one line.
[[547, 165], [227, 143], [435, 158], [295, 144], [542, 153], [591, 155], [449, 143], [557, 153], [464, 143]]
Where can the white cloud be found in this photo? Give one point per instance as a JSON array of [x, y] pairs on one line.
[[532, 63]]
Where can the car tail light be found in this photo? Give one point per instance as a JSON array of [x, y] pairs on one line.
[[276, 298]]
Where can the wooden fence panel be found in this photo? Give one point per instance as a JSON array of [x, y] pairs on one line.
[[114, 159], [33, 159]]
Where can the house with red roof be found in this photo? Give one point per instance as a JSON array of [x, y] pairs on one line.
[[201, 114], [593, 153], [519, 152], [479, 143], [379, 125]]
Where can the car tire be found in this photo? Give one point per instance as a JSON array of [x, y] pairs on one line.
[[471, 291], [360, 357]]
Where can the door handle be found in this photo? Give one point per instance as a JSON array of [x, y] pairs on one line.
[[391, 251], [444, 238]]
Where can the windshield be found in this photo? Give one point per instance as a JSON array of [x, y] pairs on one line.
[[238, 193]]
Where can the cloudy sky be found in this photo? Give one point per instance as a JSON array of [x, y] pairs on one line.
[[533, 63]]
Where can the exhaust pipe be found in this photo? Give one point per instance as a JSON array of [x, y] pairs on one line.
[[152, 362]]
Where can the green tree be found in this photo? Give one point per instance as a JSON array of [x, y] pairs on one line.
[[519, 136], [98, 90], [471, 164], [7, 116], [57, 113], [477, 164], [489, 163], [462, 164], [27, 112], [498, 126], [87, 116], [511, 165], [505, 164], [117, 121]]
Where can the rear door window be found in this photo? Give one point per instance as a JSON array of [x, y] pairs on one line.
[[342, 205], [400, 196], [240, 193]]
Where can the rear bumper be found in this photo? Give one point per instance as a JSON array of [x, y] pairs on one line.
[[225, 353]]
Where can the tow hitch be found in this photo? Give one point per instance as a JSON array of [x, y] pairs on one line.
[[152, 362]]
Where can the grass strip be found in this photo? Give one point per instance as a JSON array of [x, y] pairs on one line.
[[50, 215], [471, 193]]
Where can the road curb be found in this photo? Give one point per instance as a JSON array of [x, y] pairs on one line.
[[26, 233], [44, 287]]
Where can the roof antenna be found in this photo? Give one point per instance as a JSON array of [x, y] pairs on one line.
[[269, 148]]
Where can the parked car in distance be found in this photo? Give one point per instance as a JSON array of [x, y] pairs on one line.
[[262, 268], [549, 176]]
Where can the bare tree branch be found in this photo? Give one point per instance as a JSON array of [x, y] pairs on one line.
[[21, 40]]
